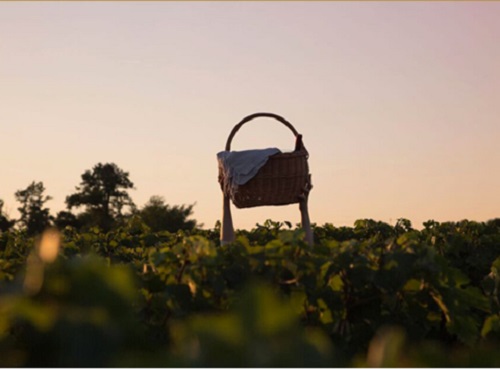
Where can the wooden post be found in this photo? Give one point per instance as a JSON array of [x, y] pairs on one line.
[[304, 213], [227, 230]]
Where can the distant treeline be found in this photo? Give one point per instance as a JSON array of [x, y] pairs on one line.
[[103, 199]]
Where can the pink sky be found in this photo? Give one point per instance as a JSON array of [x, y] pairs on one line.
[[397, 101]]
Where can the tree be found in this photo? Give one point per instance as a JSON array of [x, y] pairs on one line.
[[34, 217], [5, 223], [102, 192], [162, 217], [66, 218]]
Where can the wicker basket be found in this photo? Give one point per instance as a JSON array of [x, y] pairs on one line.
[[281, 181]]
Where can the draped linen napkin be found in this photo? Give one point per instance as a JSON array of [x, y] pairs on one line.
[[241, 166]]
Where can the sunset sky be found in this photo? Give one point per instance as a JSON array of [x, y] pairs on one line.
[[398, 102]]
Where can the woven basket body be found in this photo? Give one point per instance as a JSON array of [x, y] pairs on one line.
[[281, 181]]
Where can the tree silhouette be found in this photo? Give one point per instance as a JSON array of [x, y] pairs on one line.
[[162, 217], [102, 192], [5, 223], [34, 217], [66, 218]]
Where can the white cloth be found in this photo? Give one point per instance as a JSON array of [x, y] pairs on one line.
[[241, 166]]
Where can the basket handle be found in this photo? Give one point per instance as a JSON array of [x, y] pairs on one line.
[[298, 143]]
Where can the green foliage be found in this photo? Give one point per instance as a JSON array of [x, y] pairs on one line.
[[64, 326], [371, 295], [260, 330]]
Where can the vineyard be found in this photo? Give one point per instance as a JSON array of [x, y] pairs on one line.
[[368, 295]]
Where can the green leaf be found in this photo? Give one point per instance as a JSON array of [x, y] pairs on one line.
[[325, 313], [466, 328], [491, 324], [473, 297], [412, 285], [297, 301], [336, 283]]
